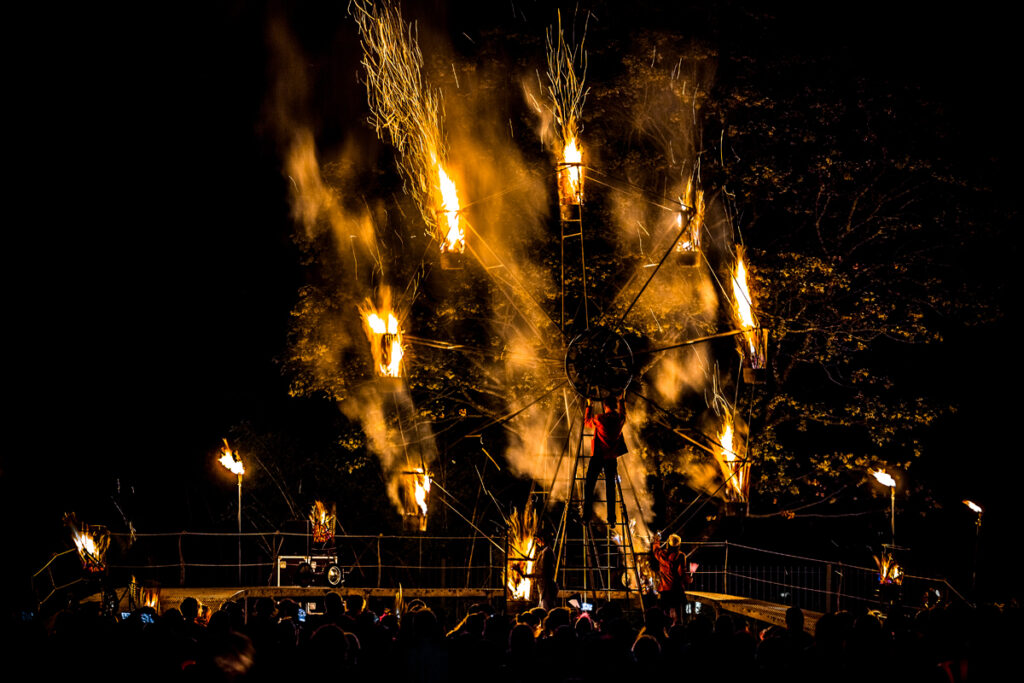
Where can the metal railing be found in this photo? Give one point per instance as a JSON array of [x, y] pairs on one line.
[[800, 581], [198, 559]]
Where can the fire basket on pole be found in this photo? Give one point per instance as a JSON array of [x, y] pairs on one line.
[[385, 335], [735, 468], [232, 463], [415, 493], [570, 181], [887, 480], [450, 231], [977, 541], [753, 343], [690, 220], [91, 542]]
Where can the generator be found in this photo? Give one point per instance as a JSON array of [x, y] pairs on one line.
[[308, 570]]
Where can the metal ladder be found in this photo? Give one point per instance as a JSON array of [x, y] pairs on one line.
[[600, 558]]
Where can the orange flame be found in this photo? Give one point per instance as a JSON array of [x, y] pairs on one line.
[[323, 522], [231, 461], [889, 571], [883, 478], [974, 506], [451, 234], [385, 335], [91, 543], [754, 351], [151, 598], [417, 495], [570, 174], [732, 466], [521, 530]]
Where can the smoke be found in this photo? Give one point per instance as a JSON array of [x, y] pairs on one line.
[[341, 235], [534, 452], [402, 443]]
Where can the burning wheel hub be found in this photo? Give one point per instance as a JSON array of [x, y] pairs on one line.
[[599, 363]]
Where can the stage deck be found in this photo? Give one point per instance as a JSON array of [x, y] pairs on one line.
[[768, 612]]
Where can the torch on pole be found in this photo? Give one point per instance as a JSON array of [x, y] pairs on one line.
[[230, 461], [887, 480], [977, 541], [239, 529]]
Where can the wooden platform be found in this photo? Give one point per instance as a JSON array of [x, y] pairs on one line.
[[767, 612]]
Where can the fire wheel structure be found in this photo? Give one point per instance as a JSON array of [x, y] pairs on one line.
[[661, 315]]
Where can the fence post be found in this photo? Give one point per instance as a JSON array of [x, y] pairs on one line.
[[181, 561], [504, 576], [378, 561], [725, 573], [828, 588]]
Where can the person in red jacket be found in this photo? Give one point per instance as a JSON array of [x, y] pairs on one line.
[[672, 576], [605, 450]]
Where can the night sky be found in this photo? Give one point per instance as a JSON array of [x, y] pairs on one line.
[[154, 268]]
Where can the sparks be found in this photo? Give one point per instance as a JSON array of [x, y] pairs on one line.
[[407, 112], [567, 69]]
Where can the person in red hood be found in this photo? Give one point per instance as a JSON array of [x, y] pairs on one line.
[[605, 450], [673, 577]]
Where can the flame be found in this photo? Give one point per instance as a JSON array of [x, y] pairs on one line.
[[883, 478], [754, 351], [150, 598], [521, 531], [385, 335], [91, 543], [323, 522], [733, 468], [570, 174], [974, 506], [449, 225], [889, 571], [408, 113], [417, 495], [231, 461], [422, 488]]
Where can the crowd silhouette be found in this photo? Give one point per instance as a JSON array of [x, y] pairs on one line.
[[350, 642]]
